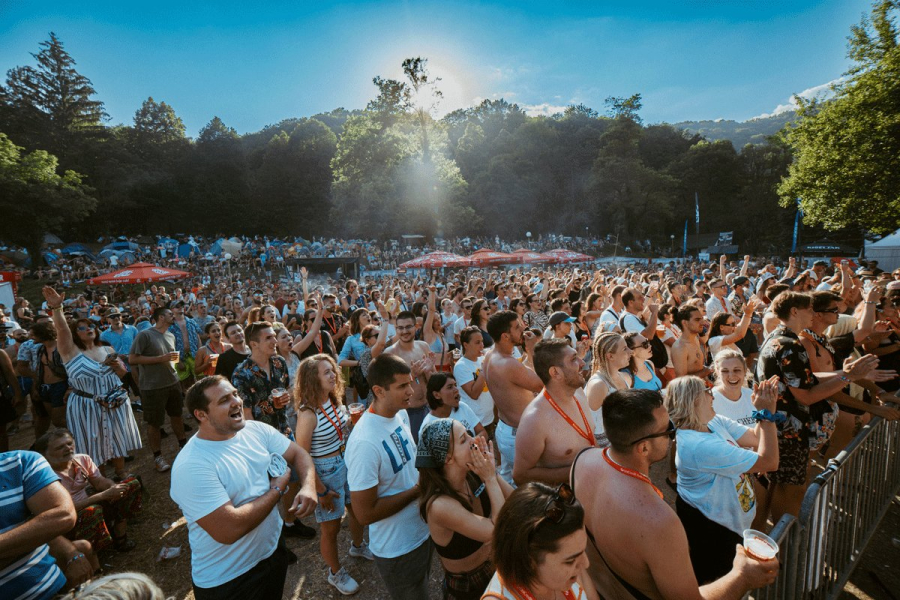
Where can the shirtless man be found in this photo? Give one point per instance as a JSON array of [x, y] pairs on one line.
[[687, 351], [556, 425], [638, 548], [420, 359], [512, 383]]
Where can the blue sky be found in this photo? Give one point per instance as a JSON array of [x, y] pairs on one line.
[[255, 65]]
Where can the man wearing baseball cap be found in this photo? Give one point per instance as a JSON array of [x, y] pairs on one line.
[[561, 325]]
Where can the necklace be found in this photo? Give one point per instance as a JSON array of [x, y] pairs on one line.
[[629, 472], [588, 434]]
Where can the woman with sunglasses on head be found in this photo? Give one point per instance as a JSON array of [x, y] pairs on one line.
[[640, 367], [97, 411], [716, 497], [539, 547], [461, 495]]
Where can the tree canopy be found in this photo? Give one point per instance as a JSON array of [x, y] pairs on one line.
[[847, 150], [393, 168]]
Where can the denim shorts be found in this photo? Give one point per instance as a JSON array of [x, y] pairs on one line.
[[54, 394], [332, 472]]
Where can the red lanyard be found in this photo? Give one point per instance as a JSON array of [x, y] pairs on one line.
[[332, 327], [589, 434], [524, 594], [333, 424], [629, 472]]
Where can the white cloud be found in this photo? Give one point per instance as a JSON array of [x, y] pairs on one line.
[[820, 91], [544, 109]]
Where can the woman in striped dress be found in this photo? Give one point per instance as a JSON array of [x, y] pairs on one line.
[[97, 412]]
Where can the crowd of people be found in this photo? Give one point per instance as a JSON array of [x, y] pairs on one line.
[[506, 419]]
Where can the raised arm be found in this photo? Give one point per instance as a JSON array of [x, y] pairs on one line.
[[301, 346], [64, 342]]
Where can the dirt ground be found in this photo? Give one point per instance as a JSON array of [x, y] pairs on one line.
[[162, 525]]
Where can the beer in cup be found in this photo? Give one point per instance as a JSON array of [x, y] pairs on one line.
[[759, 545], [356, 411], [279, 397]]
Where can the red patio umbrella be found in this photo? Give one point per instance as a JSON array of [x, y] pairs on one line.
[[560, 255], [486, 256], [529, 256], [437, 260], [139, 273]]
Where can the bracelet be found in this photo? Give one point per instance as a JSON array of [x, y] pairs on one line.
[[766, 415], [844, 378], [279, 490], [325, 493], [869, 302], [74, 558]]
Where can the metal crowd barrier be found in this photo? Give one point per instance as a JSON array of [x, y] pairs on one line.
[[840, 512]]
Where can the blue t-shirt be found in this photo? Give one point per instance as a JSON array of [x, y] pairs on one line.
[[121, 342], [712, 473], [34, 575]]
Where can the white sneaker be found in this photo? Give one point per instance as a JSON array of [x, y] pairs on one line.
[[361, 551], [161, 465], [342, 581]]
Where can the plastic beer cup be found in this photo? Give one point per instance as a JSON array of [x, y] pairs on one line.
[[759, 545]]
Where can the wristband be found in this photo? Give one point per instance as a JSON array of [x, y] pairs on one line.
[[766, 415], [843, 377], [325, 493], [74, 558], [279, 490], [869, 302]]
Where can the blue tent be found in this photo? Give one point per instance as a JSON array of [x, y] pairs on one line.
[[50, 257], [76, 249], [184, 250], [216, 248], [168, 243], [121, 246]]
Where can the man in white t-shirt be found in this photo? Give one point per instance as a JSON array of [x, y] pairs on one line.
[[469, 377], [383, 482], [609, 318], [228, 481]]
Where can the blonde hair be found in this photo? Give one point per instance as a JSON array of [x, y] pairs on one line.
[[682, 395], [118, 586], [727, 354], [605, 343], [308, 390]]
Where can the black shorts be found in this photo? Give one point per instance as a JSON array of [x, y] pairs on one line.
[[159, 403], [793, 460]]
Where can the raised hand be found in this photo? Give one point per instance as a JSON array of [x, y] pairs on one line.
[[481, 459], [54, 299]]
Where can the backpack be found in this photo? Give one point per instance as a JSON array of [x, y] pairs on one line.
[[660, 356]]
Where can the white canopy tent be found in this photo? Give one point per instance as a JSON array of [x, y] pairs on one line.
[[886, 251]]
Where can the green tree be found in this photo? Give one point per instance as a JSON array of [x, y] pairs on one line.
[[36, 199], [156, 126], [51, 105], [847, 150]]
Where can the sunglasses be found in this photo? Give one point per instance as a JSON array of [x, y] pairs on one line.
[[84, 328], [645, 344], [669, 432], [555, 509], [833, 311], [729, 324], [469, 307]]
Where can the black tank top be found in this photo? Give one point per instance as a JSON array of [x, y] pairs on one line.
[[461, 546]]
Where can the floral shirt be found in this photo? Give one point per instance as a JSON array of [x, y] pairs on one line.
[[783, 355], [255, 387]]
